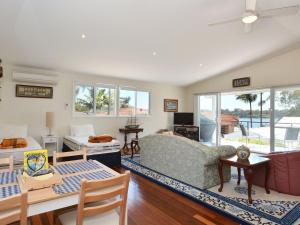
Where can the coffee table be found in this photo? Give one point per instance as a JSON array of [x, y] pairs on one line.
[[248, 165]]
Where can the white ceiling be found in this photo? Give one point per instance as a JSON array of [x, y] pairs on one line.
[[121, 36]]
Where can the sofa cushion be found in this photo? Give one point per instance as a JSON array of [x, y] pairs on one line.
[[294, 170], [284, 172], [280, 168]]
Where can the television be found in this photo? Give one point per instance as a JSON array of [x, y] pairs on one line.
[[184, 118]]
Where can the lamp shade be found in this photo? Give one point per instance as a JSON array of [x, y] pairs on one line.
[[49, 120]]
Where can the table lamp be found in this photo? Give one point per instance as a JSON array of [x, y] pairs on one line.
[[50, 121]]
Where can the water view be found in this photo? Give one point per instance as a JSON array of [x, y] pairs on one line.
[[245, 119]]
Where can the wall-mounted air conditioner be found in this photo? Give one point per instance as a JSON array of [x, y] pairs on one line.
[[34, 78]]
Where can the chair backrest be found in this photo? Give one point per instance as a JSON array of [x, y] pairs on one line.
[[7, 162], [110, 192], [60, 155], [291, 134], [243, 129], [13, 209]]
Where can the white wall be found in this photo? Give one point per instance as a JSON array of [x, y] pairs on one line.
[[31, 111], [281, 70]]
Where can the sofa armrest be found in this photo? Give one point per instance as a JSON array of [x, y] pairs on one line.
[[221, 151], [226, 150]]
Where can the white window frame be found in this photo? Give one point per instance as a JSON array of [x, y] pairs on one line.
[[117, 89], [136, 90], [95, 86], [116, 95]]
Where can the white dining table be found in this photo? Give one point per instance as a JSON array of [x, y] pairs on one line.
[[47, 200]]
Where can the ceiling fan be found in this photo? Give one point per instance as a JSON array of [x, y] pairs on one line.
[[251, 14]]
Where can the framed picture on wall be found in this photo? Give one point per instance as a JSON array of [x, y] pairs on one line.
[[29, 91], [170, 105]]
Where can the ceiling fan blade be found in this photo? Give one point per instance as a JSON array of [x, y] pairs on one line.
[[250, 5], [284, 11], [225, 21], [248, 27]]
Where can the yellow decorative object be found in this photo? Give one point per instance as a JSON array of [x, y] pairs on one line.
[[35, 161]]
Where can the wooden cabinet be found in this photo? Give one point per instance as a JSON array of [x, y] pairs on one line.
[[191, 132]]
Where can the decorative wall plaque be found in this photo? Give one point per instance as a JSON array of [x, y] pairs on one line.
[[241, 82], [29, 91]]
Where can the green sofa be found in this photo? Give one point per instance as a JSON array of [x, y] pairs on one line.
[[184, 159]]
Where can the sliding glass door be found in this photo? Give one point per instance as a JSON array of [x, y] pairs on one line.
[[207, 118], [245, 119], [287, 119], [265, 120]]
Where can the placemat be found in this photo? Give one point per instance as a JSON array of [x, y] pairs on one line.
[[8, 191], [72, 183], [9, 177], [76, 167]]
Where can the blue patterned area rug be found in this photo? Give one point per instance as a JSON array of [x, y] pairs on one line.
[[267, 209]]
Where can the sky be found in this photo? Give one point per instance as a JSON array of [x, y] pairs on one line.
[[142, 98], [228, 101]]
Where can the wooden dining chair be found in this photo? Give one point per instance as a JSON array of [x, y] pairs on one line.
[[14, 209], [61, 155], [7, 162], [100, 202]]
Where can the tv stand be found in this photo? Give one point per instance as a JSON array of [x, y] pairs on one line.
[[188, 131]]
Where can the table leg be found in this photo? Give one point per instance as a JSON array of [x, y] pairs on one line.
[[125, 147], [220, 167], [239, 176], [137, 145], [249, 178], [267, 177], [50, 216], [132, 149]]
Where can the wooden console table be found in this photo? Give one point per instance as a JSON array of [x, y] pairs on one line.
[[191, 132], [127, 131], [247, 165]]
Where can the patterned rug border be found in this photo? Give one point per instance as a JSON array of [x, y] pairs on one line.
[[289, 218], [242, 222]]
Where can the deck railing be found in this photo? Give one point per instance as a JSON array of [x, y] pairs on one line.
[[264, 123]]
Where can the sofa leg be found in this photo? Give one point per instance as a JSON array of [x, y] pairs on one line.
[[220, 167], [266, 178]]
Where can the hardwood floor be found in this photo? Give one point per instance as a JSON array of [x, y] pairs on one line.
[[151, 204]]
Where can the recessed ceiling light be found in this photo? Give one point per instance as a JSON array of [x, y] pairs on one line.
[[83, 36], [200, 64], [249, 17], [154, 53]]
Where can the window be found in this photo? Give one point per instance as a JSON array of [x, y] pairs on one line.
[[84, 99], [104, 100], [133, 102], [142, 103], [94, 99], [287, 119], [266, 120]]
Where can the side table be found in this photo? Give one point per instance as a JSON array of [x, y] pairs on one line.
[[50, 140], [248, 165], [127, 131]]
